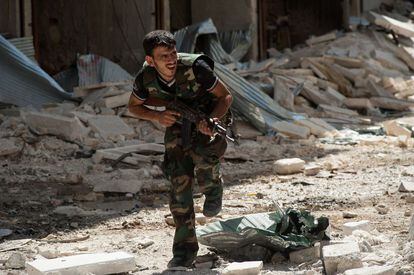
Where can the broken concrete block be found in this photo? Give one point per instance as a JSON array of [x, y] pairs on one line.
[[341, 257], [371, 270], [243, 268], [69, 128], [406, 186], [8, 146], [97, 263], [382, 209], [411, 230], [291, 130], [393, 129], [110, 127], [350, 227], [312, 169], [314, 128], [114, 101], [289, 166], [142, 242], [305, 255], [16, 261]]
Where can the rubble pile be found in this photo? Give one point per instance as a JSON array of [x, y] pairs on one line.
[[74, 157], [358, 77]]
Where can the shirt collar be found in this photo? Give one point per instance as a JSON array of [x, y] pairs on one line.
[[169, 84]]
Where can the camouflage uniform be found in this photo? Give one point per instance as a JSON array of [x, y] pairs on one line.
[[183, 164]]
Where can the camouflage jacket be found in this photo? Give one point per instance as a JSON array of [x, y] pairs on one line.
[[187, 88]]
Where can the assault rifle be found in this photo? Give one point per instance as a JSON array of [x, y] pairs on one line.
[[190, 115]]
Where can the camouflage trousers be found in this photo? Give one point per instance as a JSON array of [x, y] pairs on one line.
[[182, 166]]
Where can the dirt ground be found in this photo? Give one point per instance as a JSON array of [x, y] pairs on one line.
[[358, 178]]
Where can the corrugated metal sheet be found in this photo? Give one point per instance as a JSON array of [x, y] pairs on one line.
[[253, 104], [25, 45], [237, 42], [22, 82], [93, 69]]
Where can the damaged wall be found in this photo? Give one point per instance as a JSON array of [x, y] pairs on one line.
[[290, 22], [374, 4], [113, 29], [10, 18], [227, 15]]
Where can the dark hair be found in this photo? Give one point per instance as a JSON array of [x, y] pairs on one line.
[[157, 38]]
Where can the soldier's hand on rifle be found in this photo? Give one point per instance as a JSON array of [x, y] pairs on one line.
[[204, 127], [167, 118]]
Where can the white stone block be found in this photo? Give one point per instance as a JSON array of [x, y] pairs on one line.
[[372, 270], [110, 127], [69, 128], [350, 227], [312, 169], [289, 166], [406, 186], [243, 268], [341, 257], [97, 263]]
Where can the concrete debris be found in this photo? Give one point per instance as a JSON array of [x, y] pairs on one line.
[[142, 242], [312, 169], [70, 129], [372, 270], [289, 166], [97, 263], [382, 209], [111, 128], [338, 258], [16, 261], [411, 230], [393, 129], [305, 255], [243, 268], [146, 152], [406, 186], [8, 146], [350, 227]]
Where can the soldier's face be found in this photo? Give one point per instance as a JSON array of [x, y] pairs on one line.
[[164, 60]]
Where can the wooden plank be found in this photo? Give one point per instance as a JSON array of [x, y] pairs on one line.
[[291, 130], [377, 90], [352, 63], [315, 129], [321, 39], [350, 74], [402, 28], [292, 72], [391, 103], [333, 109], [388, 60], [313, 94], [282, 93], [358, 103], [374, 67], [406, 54], [336, 97]]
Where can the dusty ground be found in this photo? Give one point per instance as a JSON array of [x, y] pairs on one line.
[[355, 178]]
